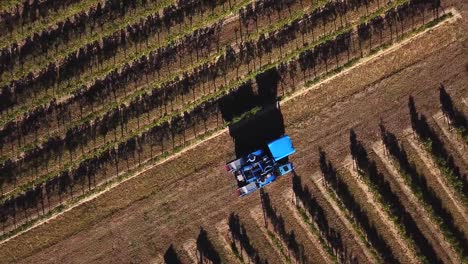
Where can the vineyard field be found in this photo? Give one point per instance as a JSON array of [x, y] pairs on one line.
[[118, 116]]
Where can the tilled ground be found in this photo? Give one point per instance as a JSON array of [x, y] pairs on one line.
[[138, 220]]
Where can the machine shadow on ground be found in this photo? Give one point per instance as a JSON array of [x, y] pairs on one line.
[[254, 132]]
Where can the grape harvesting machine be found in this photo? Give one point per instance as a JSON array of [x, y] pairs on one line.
[[262, 166]]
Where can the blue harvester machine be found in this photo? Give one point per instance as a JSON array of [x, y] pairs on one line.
[[262, 167]]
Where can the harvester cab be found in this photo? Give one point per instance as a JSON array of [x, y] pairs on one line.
[[262, 166]]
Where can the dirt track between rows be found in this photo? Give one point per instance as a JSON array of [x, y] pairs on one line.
[[342, 217], [138, 219], [424, 216], [435, 171]]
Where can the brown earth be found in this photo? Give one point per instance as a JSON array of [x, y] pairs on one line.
[[138, 220]]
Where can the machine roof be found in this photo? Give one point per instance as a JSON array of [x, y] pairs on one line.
[[282, 147]]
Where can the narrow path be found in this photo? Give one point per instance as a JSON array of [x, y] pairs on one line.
[[300, 91], [290, 204], [257, 216], [343, 218], [421, 210], [384, 217], [191, 248], [157, 260], [222, 229], [427, 160], [453, 137]]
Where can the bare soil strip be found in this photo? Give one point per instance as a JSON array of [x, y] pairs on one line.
[[384, 217], [158, 260], [222, 229], [257, 215], [300, 91], [191, 248], [343, 218], [453, 137], [290, 203], [427, 160], [421, 211]]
